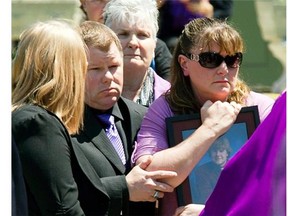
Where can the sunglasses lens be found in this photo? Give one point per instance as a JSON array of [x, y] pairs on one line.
[[234, 61], [210, 60], [213, 60]]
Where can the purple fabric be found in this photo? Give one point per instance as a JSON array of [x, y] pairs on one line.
[[254, 181], [160, 85], [181, 14], [263, 102]]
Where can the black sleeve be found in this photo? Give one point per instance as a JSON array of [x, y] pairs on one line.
[[46, 160], [117, 190], [19, 197]]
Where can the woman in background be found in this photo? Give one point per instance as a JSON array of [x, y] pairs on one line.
[[135, 22]]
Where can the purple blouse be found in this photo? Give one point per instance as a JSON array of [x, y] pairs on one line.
[[160, 85]]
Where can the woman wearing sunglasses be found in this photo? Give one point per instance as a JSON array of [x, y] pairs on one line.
[[204, 80]]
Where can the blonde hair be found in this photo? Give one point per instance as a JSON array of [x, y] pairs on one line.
[[200, 33], [49, 70]]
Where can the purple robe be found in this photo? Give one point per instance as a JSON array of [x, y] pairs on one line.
[[253, 182]]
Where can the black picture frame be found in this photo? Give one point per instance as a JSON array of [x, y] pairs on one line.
[[181, 126]]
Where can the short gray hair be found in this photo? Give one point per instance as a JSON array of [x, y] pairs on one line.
[[132, 11]]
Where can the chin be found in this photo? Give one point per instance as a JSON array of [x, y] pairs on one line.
[[223, 94], [115, 98], [109, 104]]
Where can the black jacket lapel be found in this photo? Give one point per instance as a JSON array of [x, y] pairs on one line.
[[98, 137]]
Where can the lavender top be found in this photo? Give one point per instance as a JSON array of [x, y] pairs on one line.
[[160, 85]]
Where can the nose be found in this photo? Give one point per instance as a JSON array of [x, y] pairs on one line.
[[218, 153], [108, 77], [133, 42], [223, 69]]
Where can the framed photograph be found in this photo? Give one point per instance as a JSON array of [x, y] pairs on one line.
[[200, 183]]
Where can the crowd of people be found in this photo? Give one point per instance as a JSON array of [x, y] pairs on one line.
[[90, 99]]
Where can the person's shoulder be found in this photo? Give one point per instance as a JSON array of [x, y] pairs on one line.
[[131, 105], [162, 48], [160, 101], [28, 111], [160, 43], [264, 103], [31, 115], [260, 96], [255, 98], [161, 105]]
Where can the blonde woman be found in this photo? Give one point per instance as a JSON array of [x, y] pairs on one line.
[[47, 107]]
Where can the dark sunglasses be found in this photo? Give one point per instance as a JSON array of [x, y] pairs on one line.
[[213, 60]]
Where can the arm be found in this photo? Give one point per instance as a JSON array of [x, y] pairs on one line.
[[217, 118], [138, 184], [142, 184]]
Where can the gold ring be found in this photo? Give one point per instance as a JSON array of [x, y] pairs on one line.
[[155, 195]]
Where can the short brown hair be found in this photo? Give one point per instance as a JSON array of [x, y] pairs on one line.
[[98, 35]]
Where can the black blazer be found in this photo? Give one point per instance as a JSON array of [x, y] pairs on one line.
[[59, 179], [100, 153], [163, 59], [19, 197]]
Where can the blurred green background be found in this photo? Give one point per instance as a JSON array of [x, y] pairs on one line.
[[263, 27]]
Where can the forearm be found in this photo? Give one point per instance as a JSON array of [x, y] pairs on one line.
[[183, 157], [216, 119]]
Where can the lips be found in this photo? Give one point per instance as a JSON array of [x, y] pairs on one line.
[[222, 81], [109, 90], [132, 56], [131, 53]]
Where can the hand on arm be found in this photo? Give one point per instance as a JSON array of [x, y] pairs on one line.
[[142, 184]]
